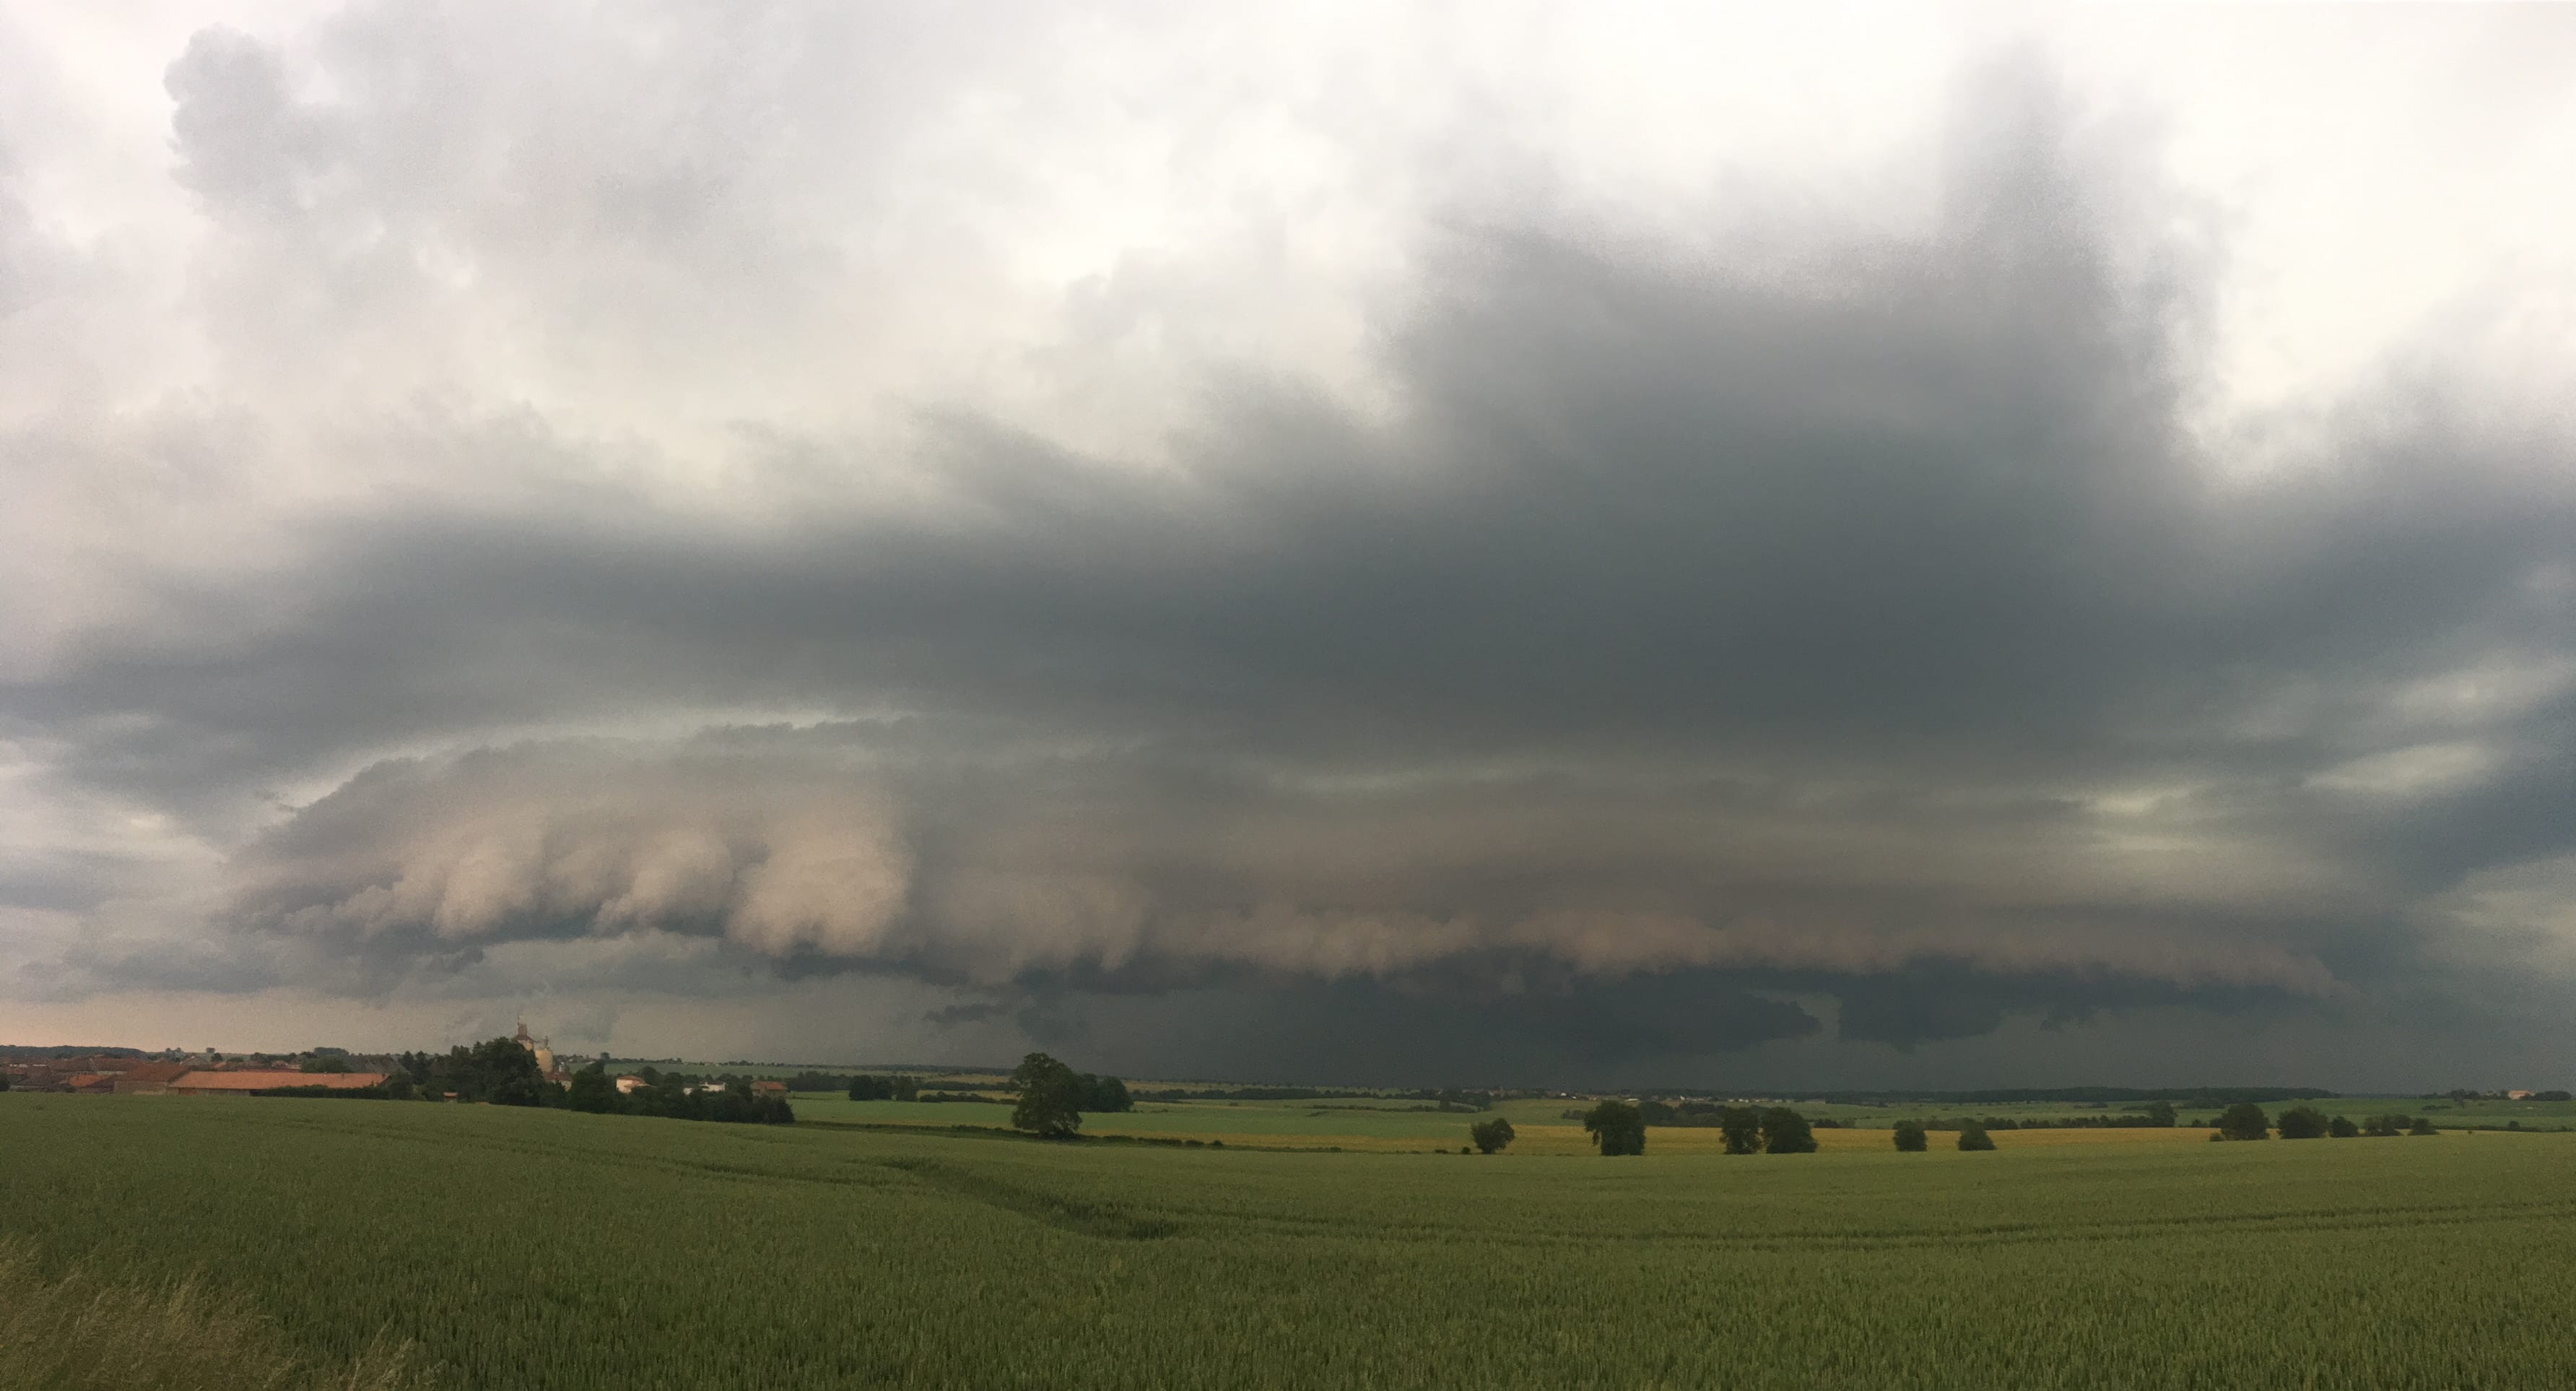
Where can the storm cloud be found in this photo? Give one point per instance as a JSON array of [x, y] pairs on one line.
[[1586, 633]]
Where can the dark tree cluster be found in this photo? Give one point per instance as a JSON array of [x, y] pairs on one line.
[[868, 1086], [2304, 1123], [671, 1096], [1910, 1137], [2243, 1121], [1974, 1137], [1786, 1132], [1616, 1128], [1490, 1136], [1741, 1128], [1104, 1095], [497, 1071]]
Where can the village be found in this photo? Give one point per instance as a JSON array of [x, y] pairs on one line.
[[172, 1072]]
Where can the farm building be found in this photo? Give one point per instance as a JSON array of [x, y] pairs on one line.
[[243, 1083], [148, 1079]]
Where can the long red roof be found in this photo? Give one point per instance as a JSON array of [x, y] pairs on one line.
[[262, 1081]]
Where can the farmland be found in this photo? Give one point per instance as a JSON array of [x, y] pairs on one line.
[[544, 1249], [1391, 1125]]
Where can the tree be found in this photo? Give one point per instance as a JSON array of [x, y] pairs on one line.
[[1616, 1128], [496, 1070], [2423, 1125], [4, 1081], [592, 1090], [1050, 1103], [1786, 1132], [1105, 1094], [2303, 1123], [1973, 1136], [1742, 1127], [325, 1064], [2160, 1114], [2244, 1121], [1910, 1138], [2342, 1128], [1490, 1136]]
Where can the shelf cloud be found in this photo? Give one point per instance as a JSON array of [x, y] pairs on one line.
[[1333, 570]]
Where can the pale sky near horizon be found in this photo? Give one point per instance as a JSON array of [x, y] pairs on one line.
[[1489, 543]]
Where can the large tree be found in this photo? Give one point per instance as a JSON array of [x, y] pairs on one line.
[[1910, 1137], [1490, 1136], [1616, 1127], [1742, 1127], [1050, 1101], [2304, 1123], [1786, 1132], [2244, 1121], [594, 1090]]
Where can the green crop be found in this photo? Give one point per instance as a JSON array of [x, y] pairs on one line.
[[548, 1251]]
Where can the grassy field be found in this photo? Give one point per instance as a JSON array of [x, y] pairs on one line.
[[539, 1249]]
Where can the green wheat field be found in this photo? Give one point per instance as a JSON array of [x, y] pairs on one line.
[[510, 1248]]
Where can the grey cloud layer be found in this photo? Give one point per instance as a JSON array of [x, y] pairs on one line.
[[1702, 624]]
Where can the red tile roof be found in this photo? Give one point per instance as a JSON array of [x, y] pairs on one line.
[[262, 1081]]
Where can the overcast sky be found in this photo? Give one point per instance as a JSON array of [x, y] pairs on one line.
[[1471, 543]]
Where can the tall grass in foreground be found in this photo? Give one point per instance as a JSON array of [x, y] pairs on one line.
[[81, 1334], [550, 1251]]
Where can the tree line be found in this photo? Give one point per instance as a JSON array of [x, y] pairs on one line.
[[1619, 1127], [1090, 1092], [2246, 1121], [500, 1072]]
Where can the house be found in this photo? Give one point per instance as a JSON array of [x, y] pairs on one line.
[[769, 1089], [2524, 1095], [629, 1083], [244, 1083]]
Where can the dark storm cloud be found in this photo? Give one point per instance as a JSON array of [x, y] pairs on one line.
[[1912, 501], [1860, 620]]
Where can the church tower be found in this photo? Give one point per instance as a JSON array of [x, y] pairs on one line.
[[541, 1047]]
